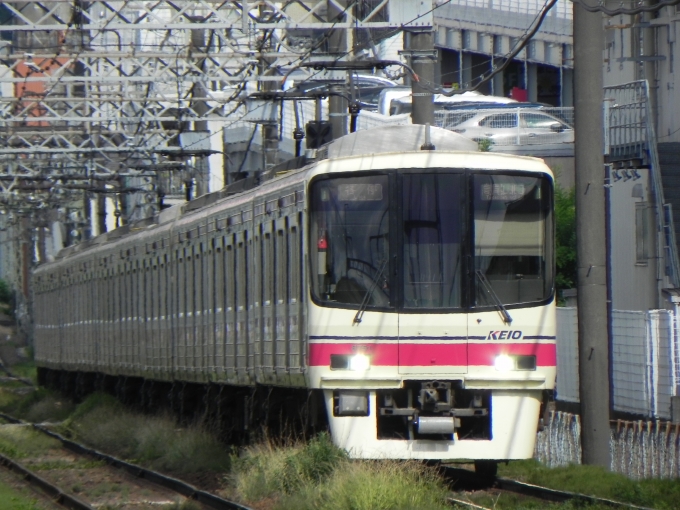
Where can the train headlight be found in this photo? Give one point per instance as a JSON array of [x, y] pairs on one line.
[[504, 363], [356, 362], [359, 363]]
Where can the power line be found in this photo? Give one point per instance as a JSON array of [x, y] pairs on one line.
[[521, 44]]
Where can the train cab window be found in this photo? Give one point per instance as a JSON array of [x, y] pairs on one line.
[[432, 250], [512, 237], [350, 240]]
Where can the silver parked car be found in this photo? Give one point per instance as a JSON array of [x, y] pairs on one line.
[[510, 127]]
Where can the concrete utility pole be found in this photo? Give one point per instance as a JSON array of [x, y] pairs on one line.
[[200, 106], [421, 46], [270, 130], [337, 47], [591, 254]]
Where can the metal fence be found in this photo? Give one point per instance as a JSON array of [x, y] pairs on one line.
[[644, 364], [639, 449]]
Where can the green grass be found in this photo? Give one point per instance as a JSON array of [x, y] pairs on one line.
[[26, 370], [267, 470], [11, 499], [311, 475], [318, 475], [36, 406], [373, 485], [154, 441], [66, 464], [595, 481], [18, 441]]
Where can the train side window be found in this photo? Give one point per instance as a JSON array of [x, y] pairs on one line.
[[208, 279], [229, 277], [283, 268], [242, 272], [151, 290], [219, 264], [159, 287], [191, 281], [181, 285], [256, 273], [295, 246], [140, 290], [198, 278], [268, 272]]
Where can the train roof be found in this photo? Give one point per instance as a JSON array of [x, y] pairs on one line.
[[406, 141], [408, 138]]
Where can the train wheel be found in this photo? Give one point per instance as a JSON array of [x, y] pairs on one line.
[[486, 468]]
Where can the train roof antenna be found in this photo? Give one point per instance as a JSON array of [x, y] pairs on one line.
[[428, 145]]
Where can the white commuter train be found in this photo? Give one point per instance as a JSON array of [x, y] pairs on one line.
[[413, 289]]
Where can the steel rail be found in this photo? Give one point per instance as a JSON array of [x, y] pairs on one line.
[[535, 491], [58, 495], [466, 503], [174, 484]]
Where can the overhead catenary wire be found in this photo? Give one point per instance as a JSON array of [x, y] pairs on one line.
[[140, 148], [507, 59]]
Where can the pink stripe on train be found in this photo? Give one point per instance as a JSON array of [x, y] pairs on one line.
[[423, 354]]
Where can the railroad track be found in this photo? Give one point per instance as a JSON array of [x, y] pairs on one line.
[[68, 500], [461, 478], [470, 479]]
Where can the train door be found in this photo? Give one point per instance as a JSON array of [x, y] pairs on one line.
[[433, 327]]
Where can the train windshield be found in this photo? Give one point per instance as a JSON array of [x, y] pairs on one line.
[[512, 238], [432, 227], [351, 232], [431, 240]]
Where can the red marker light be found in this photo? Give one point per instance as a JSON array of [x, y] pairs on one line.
[[323, 243]]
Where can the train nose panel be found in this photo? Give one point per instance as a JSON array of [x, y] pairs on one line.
[[430, 342]]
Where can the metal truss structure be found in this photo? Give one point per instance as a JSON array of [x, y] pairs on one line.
[[100, 90]]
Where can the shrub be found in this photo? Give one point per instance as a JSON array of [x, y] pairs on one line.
[[485, 144], [37, 406], [267, 470], [373, 485], [565, 238], [5, 292], [155, 441]]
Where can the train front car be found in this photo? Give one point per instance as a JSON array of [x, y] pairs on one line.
[[431, 321]]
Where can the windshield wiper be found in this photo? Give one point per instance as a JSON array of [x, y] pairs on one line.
[[489, 290], [369, 293]]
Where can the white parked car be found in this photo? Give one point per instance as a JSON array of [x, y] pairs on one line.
[[401, 103], [511, 127]]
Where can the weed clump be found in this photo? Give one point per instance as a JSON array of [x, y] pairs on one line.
[[155, 441], [374, 485], [267, 470], [18, 441], [318, 475], [36, 406]]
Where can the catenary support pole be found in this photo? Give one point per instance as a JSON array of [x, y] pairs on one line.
[[337, 47], [421, 45], [270, 130], [593, 319], [199, 95]]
